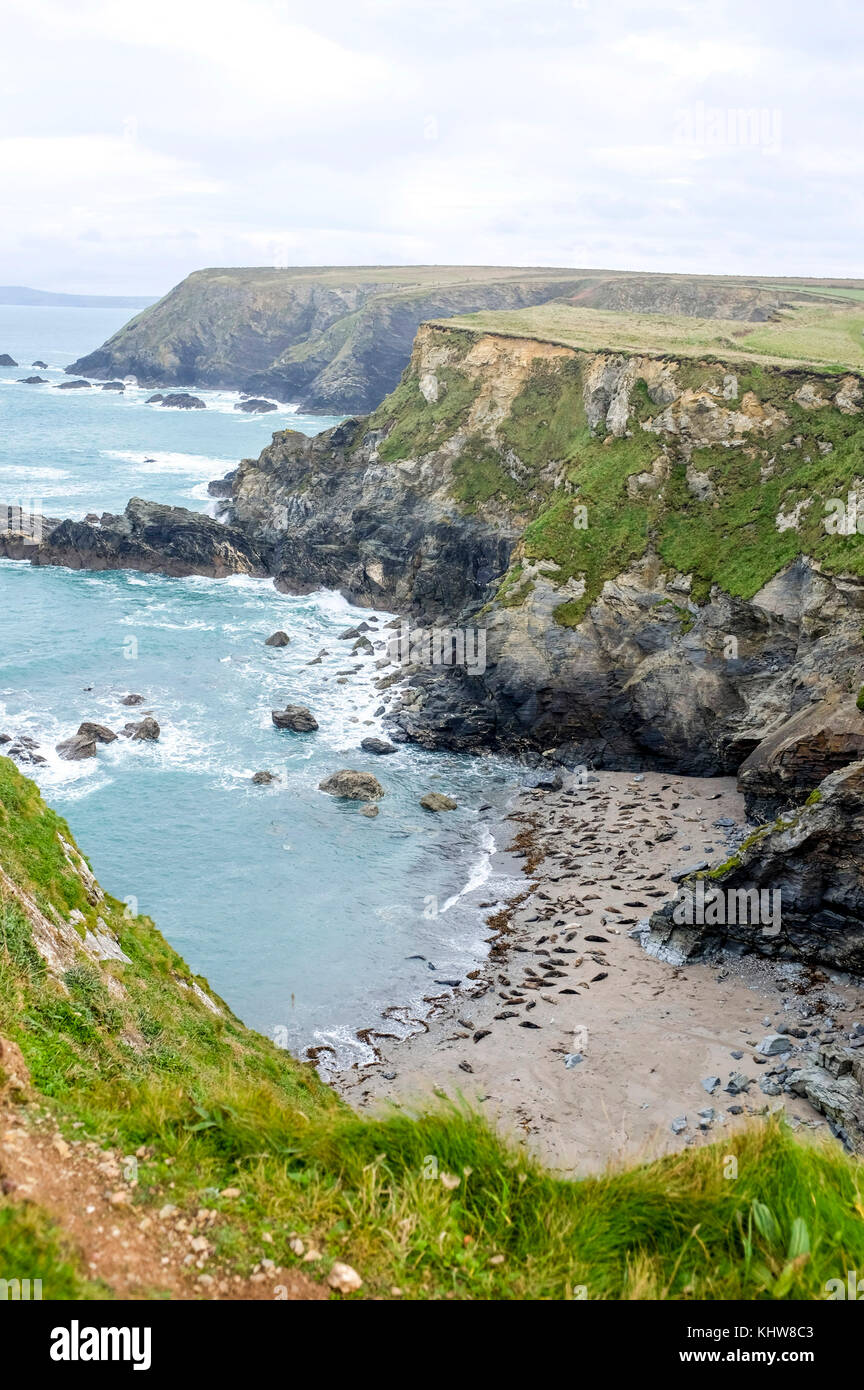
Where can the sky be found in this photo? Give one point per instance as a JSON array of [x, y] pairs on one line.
[[139, 143]]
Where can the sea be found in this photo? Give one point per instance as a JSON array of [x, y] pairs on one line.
[[313, 922]]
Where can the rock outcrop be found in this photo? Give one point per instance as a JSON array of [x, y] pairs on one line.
[[794, 890], [147, 536]]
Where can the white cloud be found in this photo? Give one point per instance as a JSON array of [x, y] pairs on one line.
[[138, 142]]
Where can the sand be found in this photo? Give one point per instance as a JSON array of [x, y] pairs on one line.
[[597, 860]]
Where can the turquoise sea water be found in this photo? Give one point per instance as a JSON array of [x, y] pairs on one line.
[[303, 913]]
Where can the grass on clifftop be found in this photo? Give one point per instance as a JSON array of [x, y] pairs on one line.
[[827, 336], [437, 1206]]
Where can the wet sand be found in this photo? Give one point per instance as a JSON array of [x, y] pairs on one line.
[[573, 1040]]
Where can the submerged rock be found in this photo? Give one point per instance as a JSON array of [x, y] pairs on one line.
[[352, 786], [437, 801], [298, 718]]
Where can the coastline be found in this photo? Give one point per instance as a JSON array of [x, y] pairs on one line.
[[589, 1051]]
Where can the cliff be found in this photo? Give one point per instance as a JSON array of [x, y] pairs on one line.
[[332, 340], [641, 538]]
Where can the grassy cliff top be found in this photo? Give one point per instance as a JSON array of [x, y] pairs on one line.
[[812, 333]]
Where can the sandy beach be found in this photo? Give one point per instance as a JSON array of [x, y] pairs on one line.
[[572, 1039]]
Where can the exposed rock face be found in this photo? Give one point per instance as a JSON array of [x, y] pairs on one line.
[[823, 736], [295, 717], [352, 786], [148, 537], [814, 859], [332, 341], [629, 662]]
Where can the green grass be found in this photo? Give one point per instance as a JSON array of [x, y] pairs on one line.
[[827, 336]]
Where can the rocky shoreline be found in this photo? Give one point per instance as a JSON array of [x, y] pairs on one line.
[[583, 1047]]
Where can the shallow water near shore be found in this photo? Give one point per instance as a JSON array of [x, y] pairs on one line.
[[308, 917]]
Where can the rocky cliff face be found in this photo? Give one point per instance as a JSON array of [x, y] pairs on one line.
[[641, 541], [332, 340], [809, 862]]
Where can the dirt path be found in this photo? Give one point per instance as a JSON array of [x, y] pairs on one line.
[[88, 1191], [569, 982]]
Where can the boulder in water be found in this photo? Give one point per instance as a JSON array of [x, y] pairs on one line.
[[352, 786], [437, 801], [77, 748], [181, 400], [278, 639], [298, 718], [99, 732], [147, 731], [380, 746]]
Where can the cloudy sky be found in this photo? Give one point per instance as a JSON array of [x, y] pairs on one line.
[[140, 142]]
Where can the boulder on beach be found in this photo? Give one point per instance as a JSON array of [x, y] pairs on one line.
[[147, 731], [132, 699], [352, 786], [278, 639], [263, 779], [298, 718], [254, 406], [437, 801], [77, 748], [181, 400], [100, 732], [380, 746], [7, 361]]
